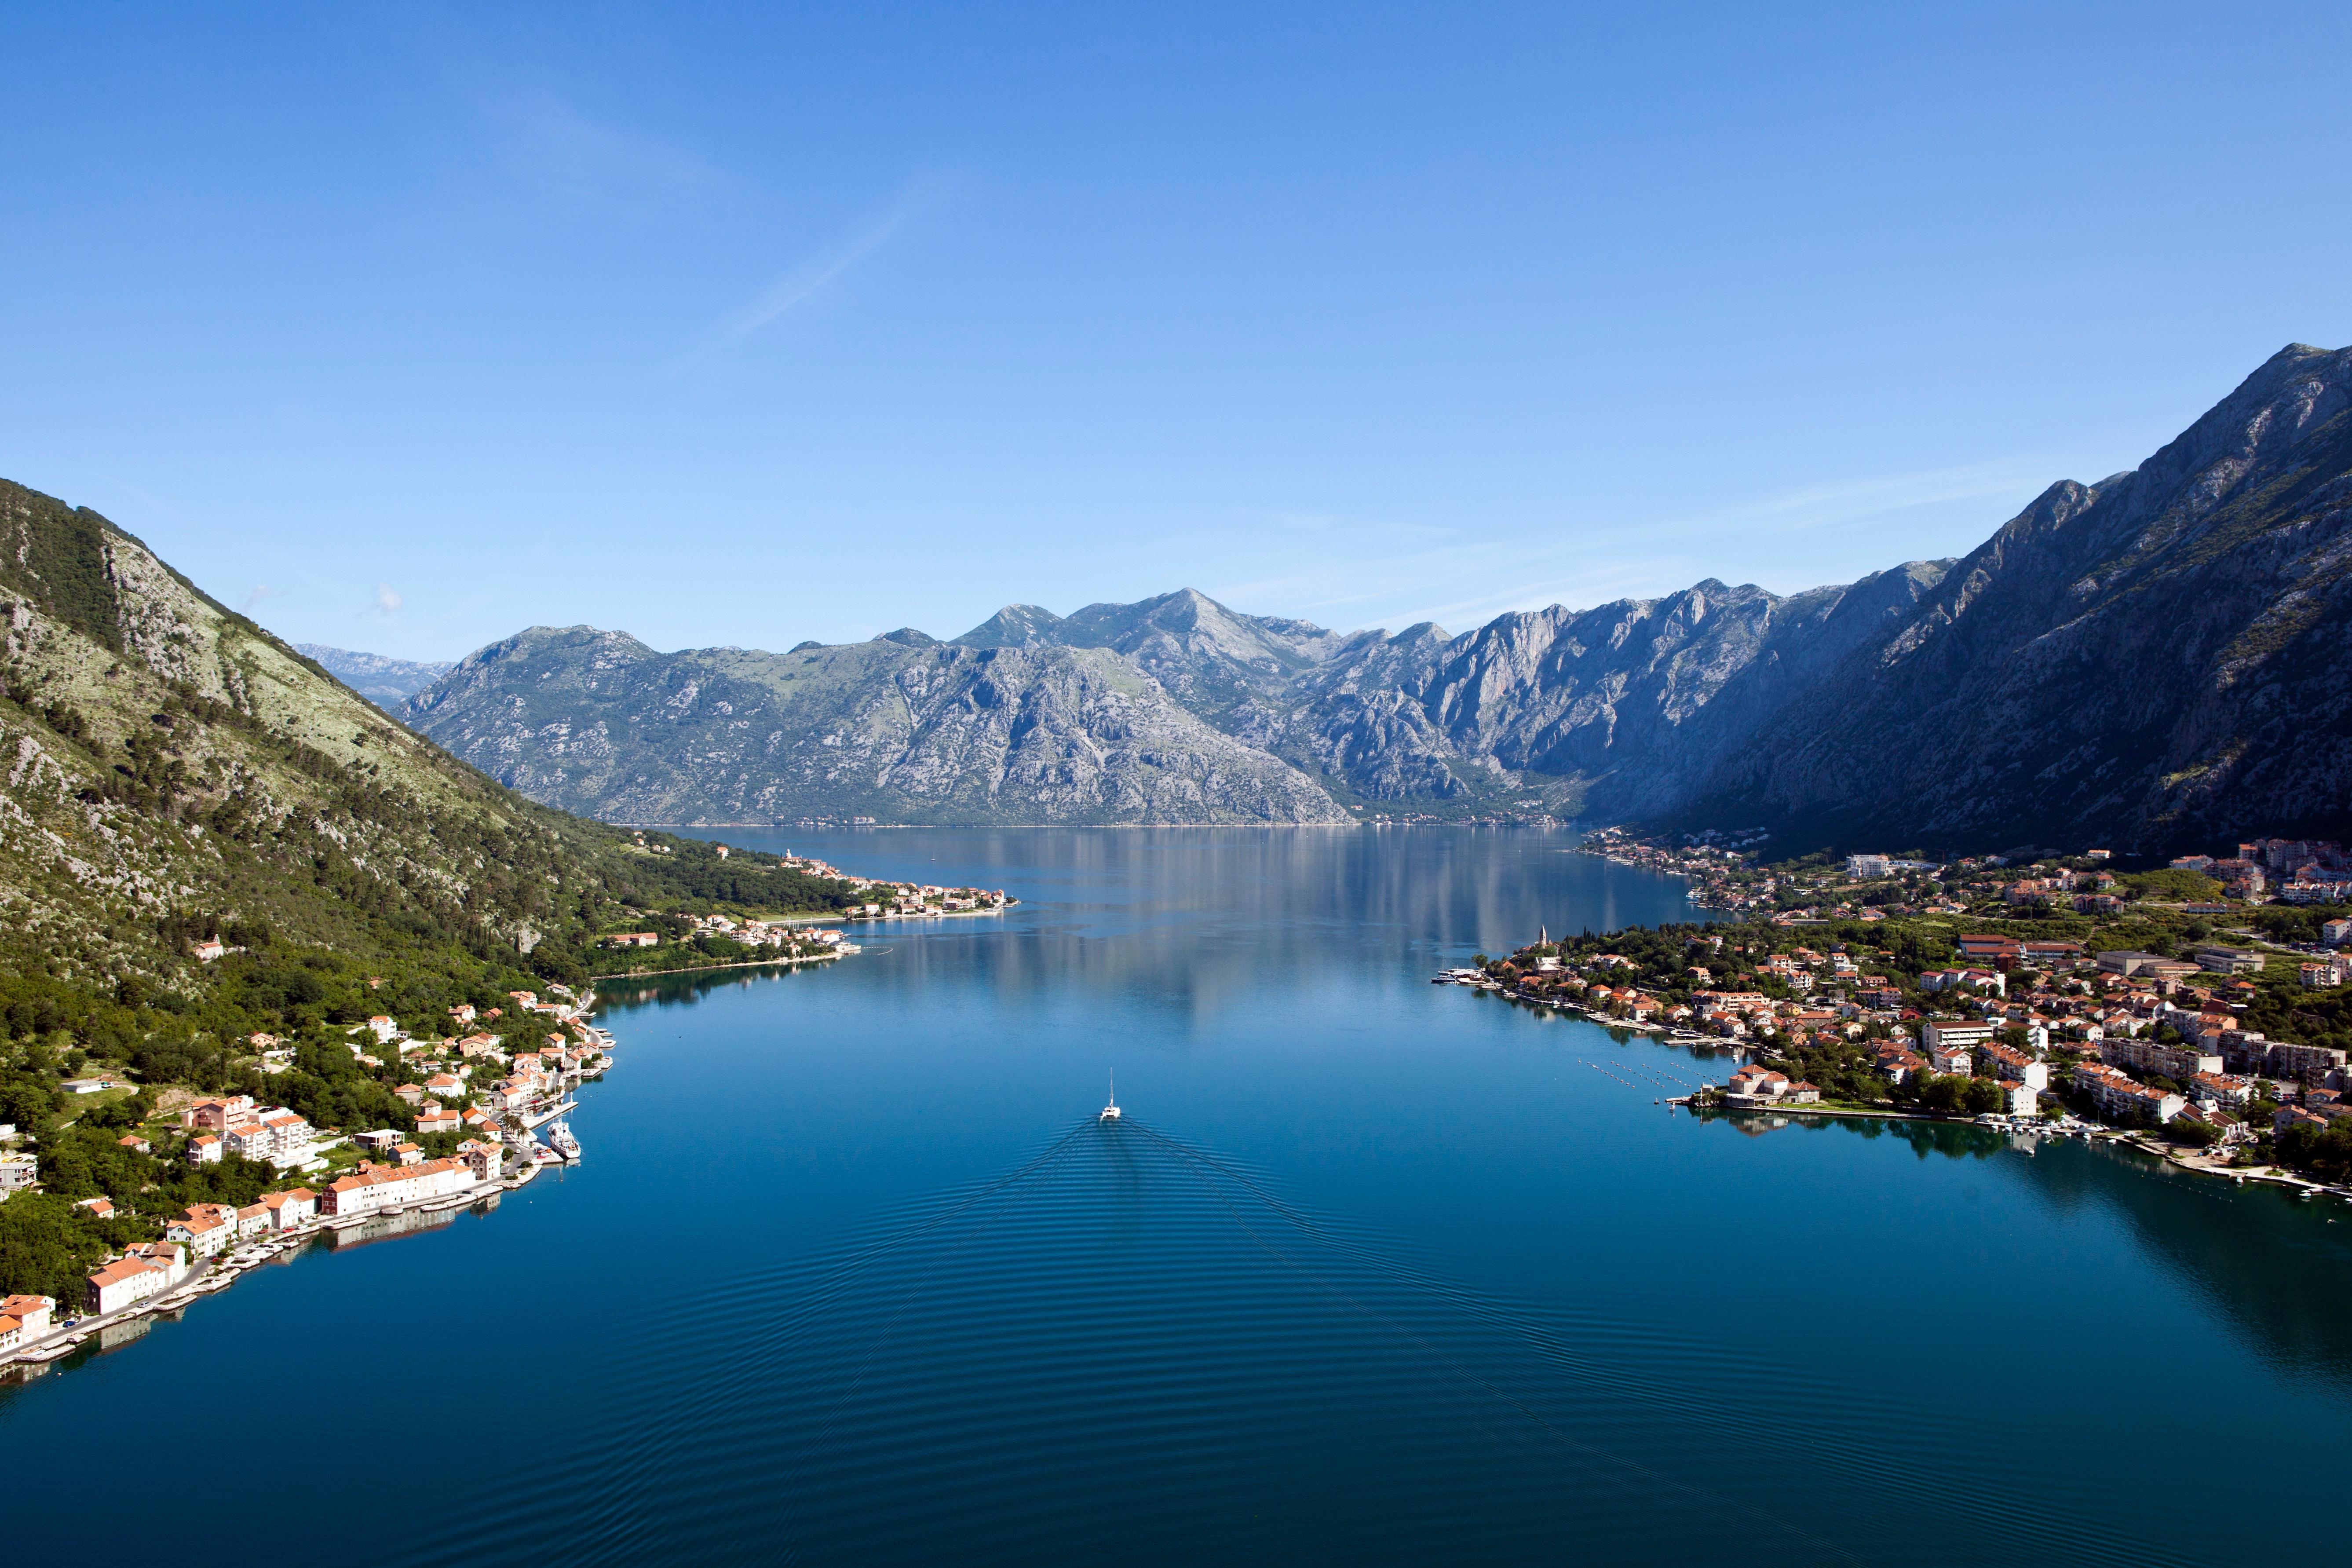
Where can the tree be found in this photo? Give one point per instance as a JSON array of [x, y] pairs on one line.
[[47, 1245]]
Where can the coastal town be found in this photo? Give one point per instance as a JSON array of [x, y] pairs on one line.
[[373, 1123], [482, 1103], [2201, 1008]]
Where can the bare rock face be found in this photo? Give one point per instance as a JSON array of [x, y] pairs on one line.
[[2153, 659], [892, 729], [2159, 658]]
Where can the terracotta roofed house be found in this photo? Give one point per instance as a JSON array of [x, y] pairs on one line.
[[292, 1209], [32, 1314]]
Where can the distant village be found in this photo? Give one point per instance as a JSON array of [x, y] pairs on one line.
[[2219, 1021], [800, 940], [1727, 872]]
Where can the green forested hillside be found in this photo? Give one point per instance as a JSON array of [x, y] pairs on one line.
[[171, 775]]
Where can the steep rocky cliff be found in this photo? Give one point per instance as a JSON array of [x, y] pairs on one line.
[[2159, 658], [2152, 659]]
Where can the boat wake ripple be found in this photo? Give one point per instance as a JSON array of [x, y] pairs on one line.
[[1135, 1348]]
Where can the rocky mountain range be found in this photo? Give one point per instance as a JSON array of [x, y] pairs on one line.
[[2152, 659], [386, 682]]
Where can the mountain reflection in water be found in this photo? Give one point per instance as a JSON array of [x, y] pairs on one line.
[[1375, 1270]]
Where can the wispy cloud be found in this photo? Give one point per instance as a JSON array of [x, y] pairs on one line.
[[387, 600], [802, 282], [261, 591], [1842, 502], [547, 142], [1395, 574]]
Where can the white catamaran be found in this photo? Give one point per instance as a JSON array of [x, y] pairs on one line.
[[1110, 1111]]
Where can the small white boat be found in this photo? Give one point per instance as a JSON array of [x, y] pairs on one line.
[[1110, 1111], [559, 1136]]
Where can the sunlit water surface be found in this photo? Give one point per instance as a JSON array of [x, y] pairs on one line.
[[1372, 1271]]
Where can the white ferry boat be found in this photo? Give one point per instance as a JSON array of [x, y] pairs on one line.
[[559, 1136]]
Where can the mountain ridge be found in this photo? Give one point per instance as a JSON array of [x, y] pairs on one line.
[[384, 681], [1800, 711]]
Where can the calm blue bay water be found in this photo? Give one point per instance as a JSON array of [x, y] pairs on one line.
[[1374, 1271]]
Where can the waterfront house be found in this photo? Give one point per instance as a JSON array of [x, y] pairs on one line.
[[122, 1282], [31, 1314], [204, 1229], [1754, 1085], [290, 1209], [139, 1273], [374, 1186]]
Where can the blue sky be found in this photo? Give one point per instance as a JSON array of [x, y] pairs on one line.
[[404, 328]]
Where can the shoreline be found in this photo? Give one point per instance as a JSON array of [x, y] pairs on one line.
[[2132, 1139], [706, 968], [217, 1273], [805, 958], [224, 1270]]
